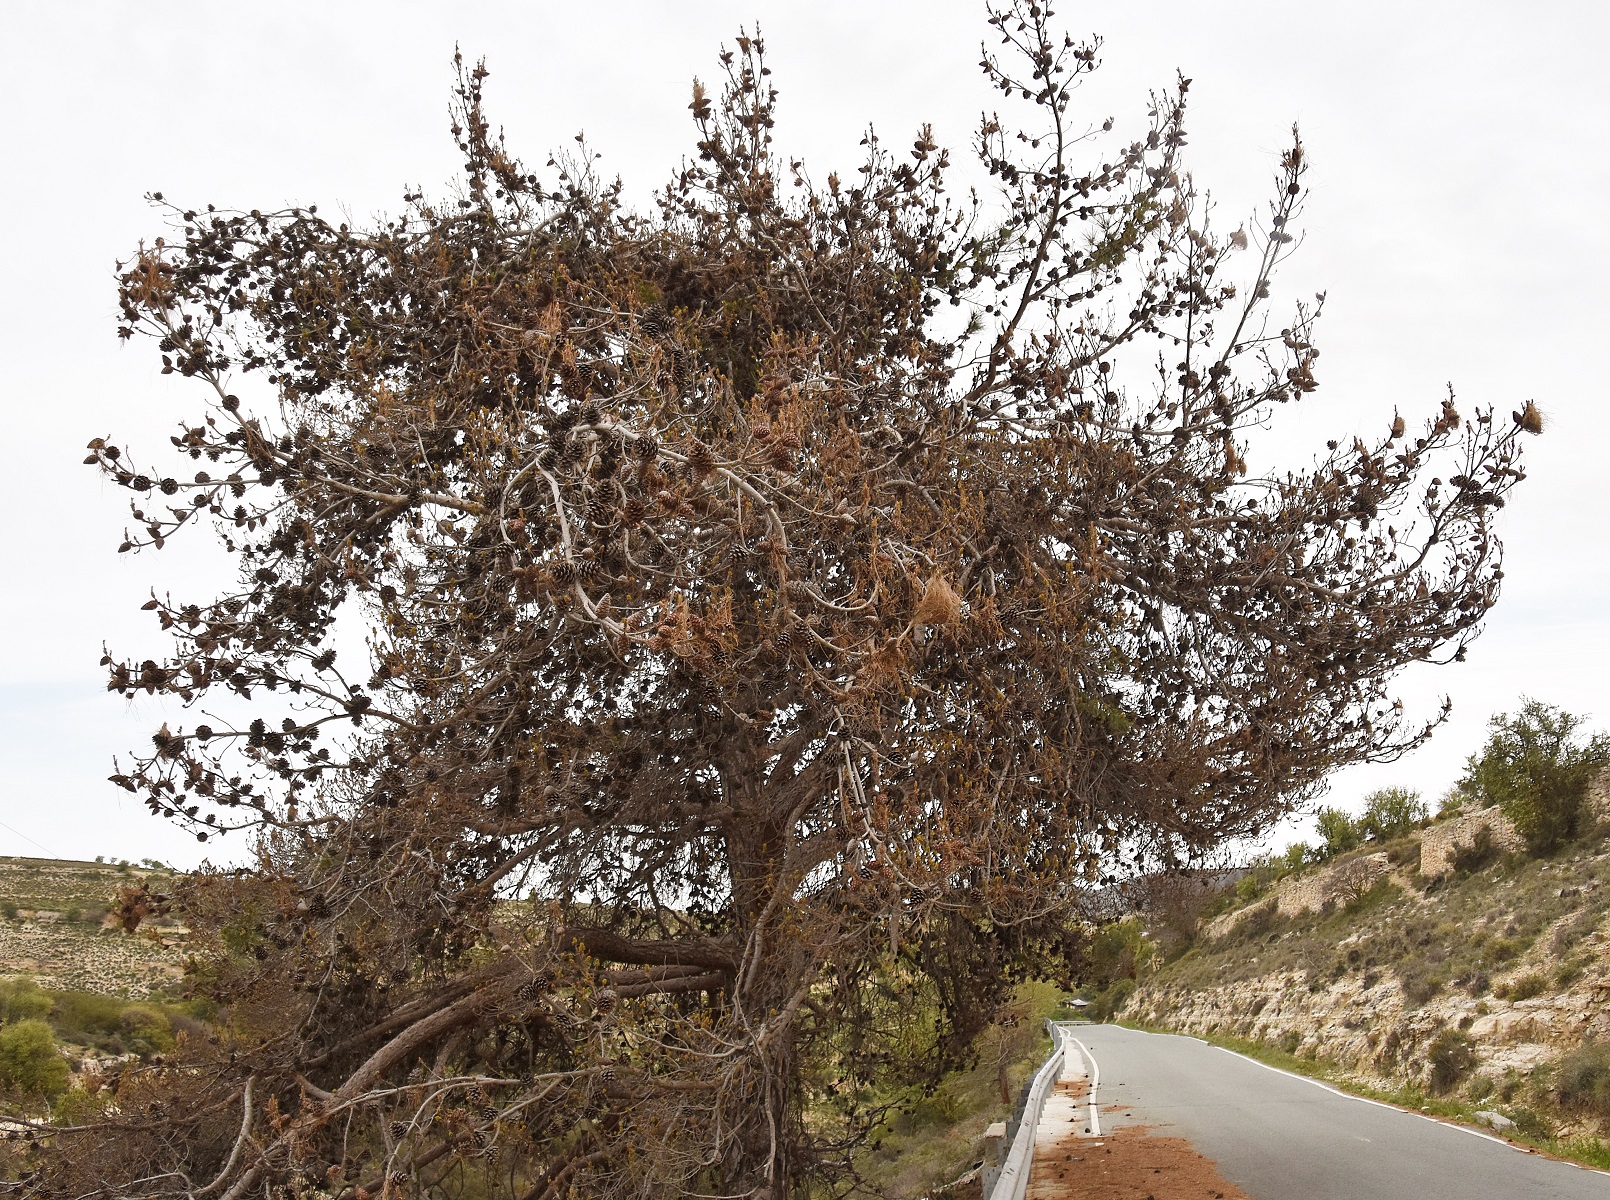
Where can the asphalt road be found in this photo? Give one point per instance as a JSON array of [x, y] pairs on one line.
[[1280, 1137]]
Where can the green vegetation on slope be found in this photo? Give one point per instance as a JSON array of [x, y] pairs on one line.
[[54, 927]]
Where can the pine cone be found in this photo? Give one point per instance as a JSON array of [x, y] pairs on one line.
[[682, 372], [655, 322]]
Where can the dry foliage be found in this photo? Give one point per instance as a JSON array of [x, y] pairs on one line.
[[802, 586]]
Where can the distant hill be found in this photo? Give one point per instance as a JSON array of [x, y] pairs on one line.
[[53, 928]]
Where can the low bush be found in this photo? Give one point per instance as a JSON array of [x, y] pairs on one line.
[[1450, 1057], [1419, 984], [1111, 1000], [1382, 892], [1572, 932], [1568, 973], [1531, 984], [22, 1000], [114, 1026], [1499, 950], [29, 1060], [1581, 1080], [1405, 853]]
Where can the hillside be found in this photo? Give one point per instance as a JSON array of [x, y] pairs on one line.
[[53, 928], [1444, 966]]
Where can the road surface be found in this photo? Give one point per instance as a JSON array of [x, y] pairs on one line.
[[1280, 1137]]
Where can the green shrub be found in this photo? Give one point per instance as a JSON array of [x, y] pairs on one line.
[[144, 1030], [1582, 1080], [82, 1016], [112, 1025], [1111, 1001], [1249, 888], [1450, 1057], [1528, 985], [29, 1062], [80, 1107], [1537, 768], [1340, 831], [1419, 984], [8, 909], [1391, 813], [1500, 950], [1382, 892], [1118, 951], [1568, 973], [22, 1000]]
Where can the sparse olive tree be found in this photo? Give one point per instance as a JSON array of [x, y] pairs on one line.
[[665, 642], [1536, 766], [1390, 813]]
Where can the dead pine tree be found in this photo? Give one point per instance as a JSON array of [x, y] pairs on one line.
[[672, 651]]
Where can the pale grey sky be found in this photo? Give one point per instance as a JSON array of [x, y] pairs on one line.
[[1458, 225]]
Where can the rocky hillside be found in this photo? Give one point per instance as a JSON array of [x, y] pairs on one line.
[[54, 928], [1447, 962]]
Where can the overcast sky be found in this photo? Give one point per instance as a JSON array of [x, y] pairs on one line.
[[1457, 224]]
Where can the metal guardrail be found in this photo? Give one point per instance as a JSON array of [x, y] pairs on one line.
[[1013, 1181]]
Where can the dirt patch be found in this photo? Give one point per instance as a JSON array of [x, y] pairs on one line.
[[1130, 1164]]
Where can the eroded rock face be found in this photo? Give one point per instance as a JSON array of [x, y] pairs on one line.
[[1371, 1030], [1515, 955], [1360, 1017]]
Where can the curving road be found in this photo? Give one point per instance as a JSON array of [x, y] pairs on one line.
[[1282, 1137]]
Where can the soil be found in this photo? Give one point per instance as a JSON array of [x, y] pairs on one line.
[[1131, 1163]]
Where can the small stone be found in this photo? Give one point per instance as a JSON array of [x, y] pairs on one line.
[[1495, 1120]]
